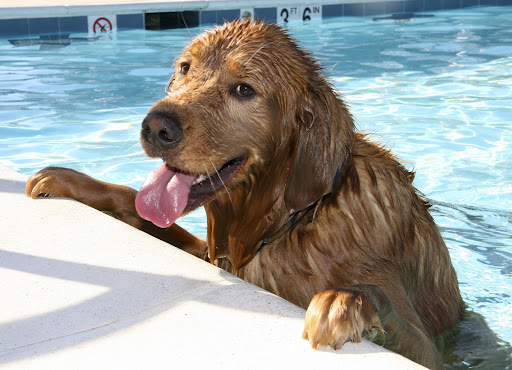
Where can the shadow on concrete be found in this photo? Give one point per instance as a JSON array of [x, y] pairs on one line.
[[132, 297], [12, 186]]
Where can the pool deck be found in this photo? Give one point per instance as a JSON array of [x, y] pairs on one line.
[[62, 8], [82, 290]]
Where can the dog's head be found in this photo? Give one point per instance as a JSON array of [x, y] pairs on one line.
[[243, 96]]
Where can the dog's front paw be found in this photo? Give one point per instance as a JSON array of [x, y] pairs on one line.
[[336, 316], [53, 182]]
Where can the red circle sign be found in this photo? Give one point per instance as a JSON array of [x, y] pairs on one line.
[[102, 25]]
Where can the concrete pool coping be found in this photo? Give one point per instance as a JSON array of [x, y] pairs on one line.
[[62, 8], [83, 290]]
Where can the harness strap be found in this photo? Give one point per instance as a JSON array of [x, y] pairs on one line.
[[297, 216]]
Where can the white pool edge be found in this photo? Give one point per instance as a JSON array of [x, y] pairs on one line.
[[41, 9], [83, 290]]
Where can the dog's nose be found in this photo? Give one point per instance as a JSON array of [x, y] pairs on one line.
[[161, 130]]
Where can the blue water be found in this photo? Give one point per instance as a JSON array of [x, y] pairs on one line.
[[438, 91]]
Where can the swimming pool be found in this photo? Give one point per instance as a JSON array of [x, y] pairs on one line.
[[438, 90]]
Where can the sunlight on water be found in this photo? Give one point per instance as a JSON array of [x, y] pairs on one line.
[[438, 91]]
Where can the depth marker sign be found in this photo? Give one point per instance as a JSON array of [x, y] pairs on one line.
[[102, 24], [296, 13]]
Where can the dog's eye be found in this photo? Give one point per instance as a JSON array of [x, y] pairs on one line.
[[184, 68], [244, 91]]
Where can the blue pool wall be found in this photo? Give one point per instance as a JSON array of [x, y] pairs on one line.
[[34, 26]]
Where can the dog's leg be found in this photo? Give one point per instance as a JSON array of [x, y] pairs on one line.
[[116, 200], [338, 315]]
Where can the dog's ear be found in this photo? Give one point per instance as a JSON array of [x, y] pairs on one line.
[[325, 133]]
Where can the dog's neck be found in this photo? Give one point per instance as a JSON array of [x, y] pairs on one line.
[[237, 224], [238, 231], [296, 217]]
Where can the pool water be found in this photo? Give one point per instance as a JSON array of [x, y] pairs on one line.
[[436, 90]]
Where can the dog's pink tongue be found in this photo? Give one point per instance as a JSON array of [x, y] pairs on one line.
[[163, 196]]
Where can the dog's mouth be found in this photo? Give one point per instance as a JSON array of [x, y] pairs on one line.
[[168, 192]]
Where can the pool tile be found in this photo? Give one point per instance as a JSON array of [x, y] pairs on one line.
[[37, 26], [394, 7], [208, 17], [468, 3], [374, 8], [353, 10], [335, 10], [73, 24], [219, 16], [189, 18], [14, 27], [451, 4], [130, 21], [227, 15], [432, 5], [412, 6], [266, 14]]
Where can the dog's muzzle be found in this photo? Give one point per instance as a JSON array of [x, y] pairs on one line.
[[161, 131]]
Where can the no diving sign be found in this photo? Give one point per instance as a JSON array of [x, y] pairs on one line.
[[101, 24]]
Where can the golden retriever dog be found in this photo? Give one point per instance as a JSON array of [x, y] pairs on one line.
[[296, 200]]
